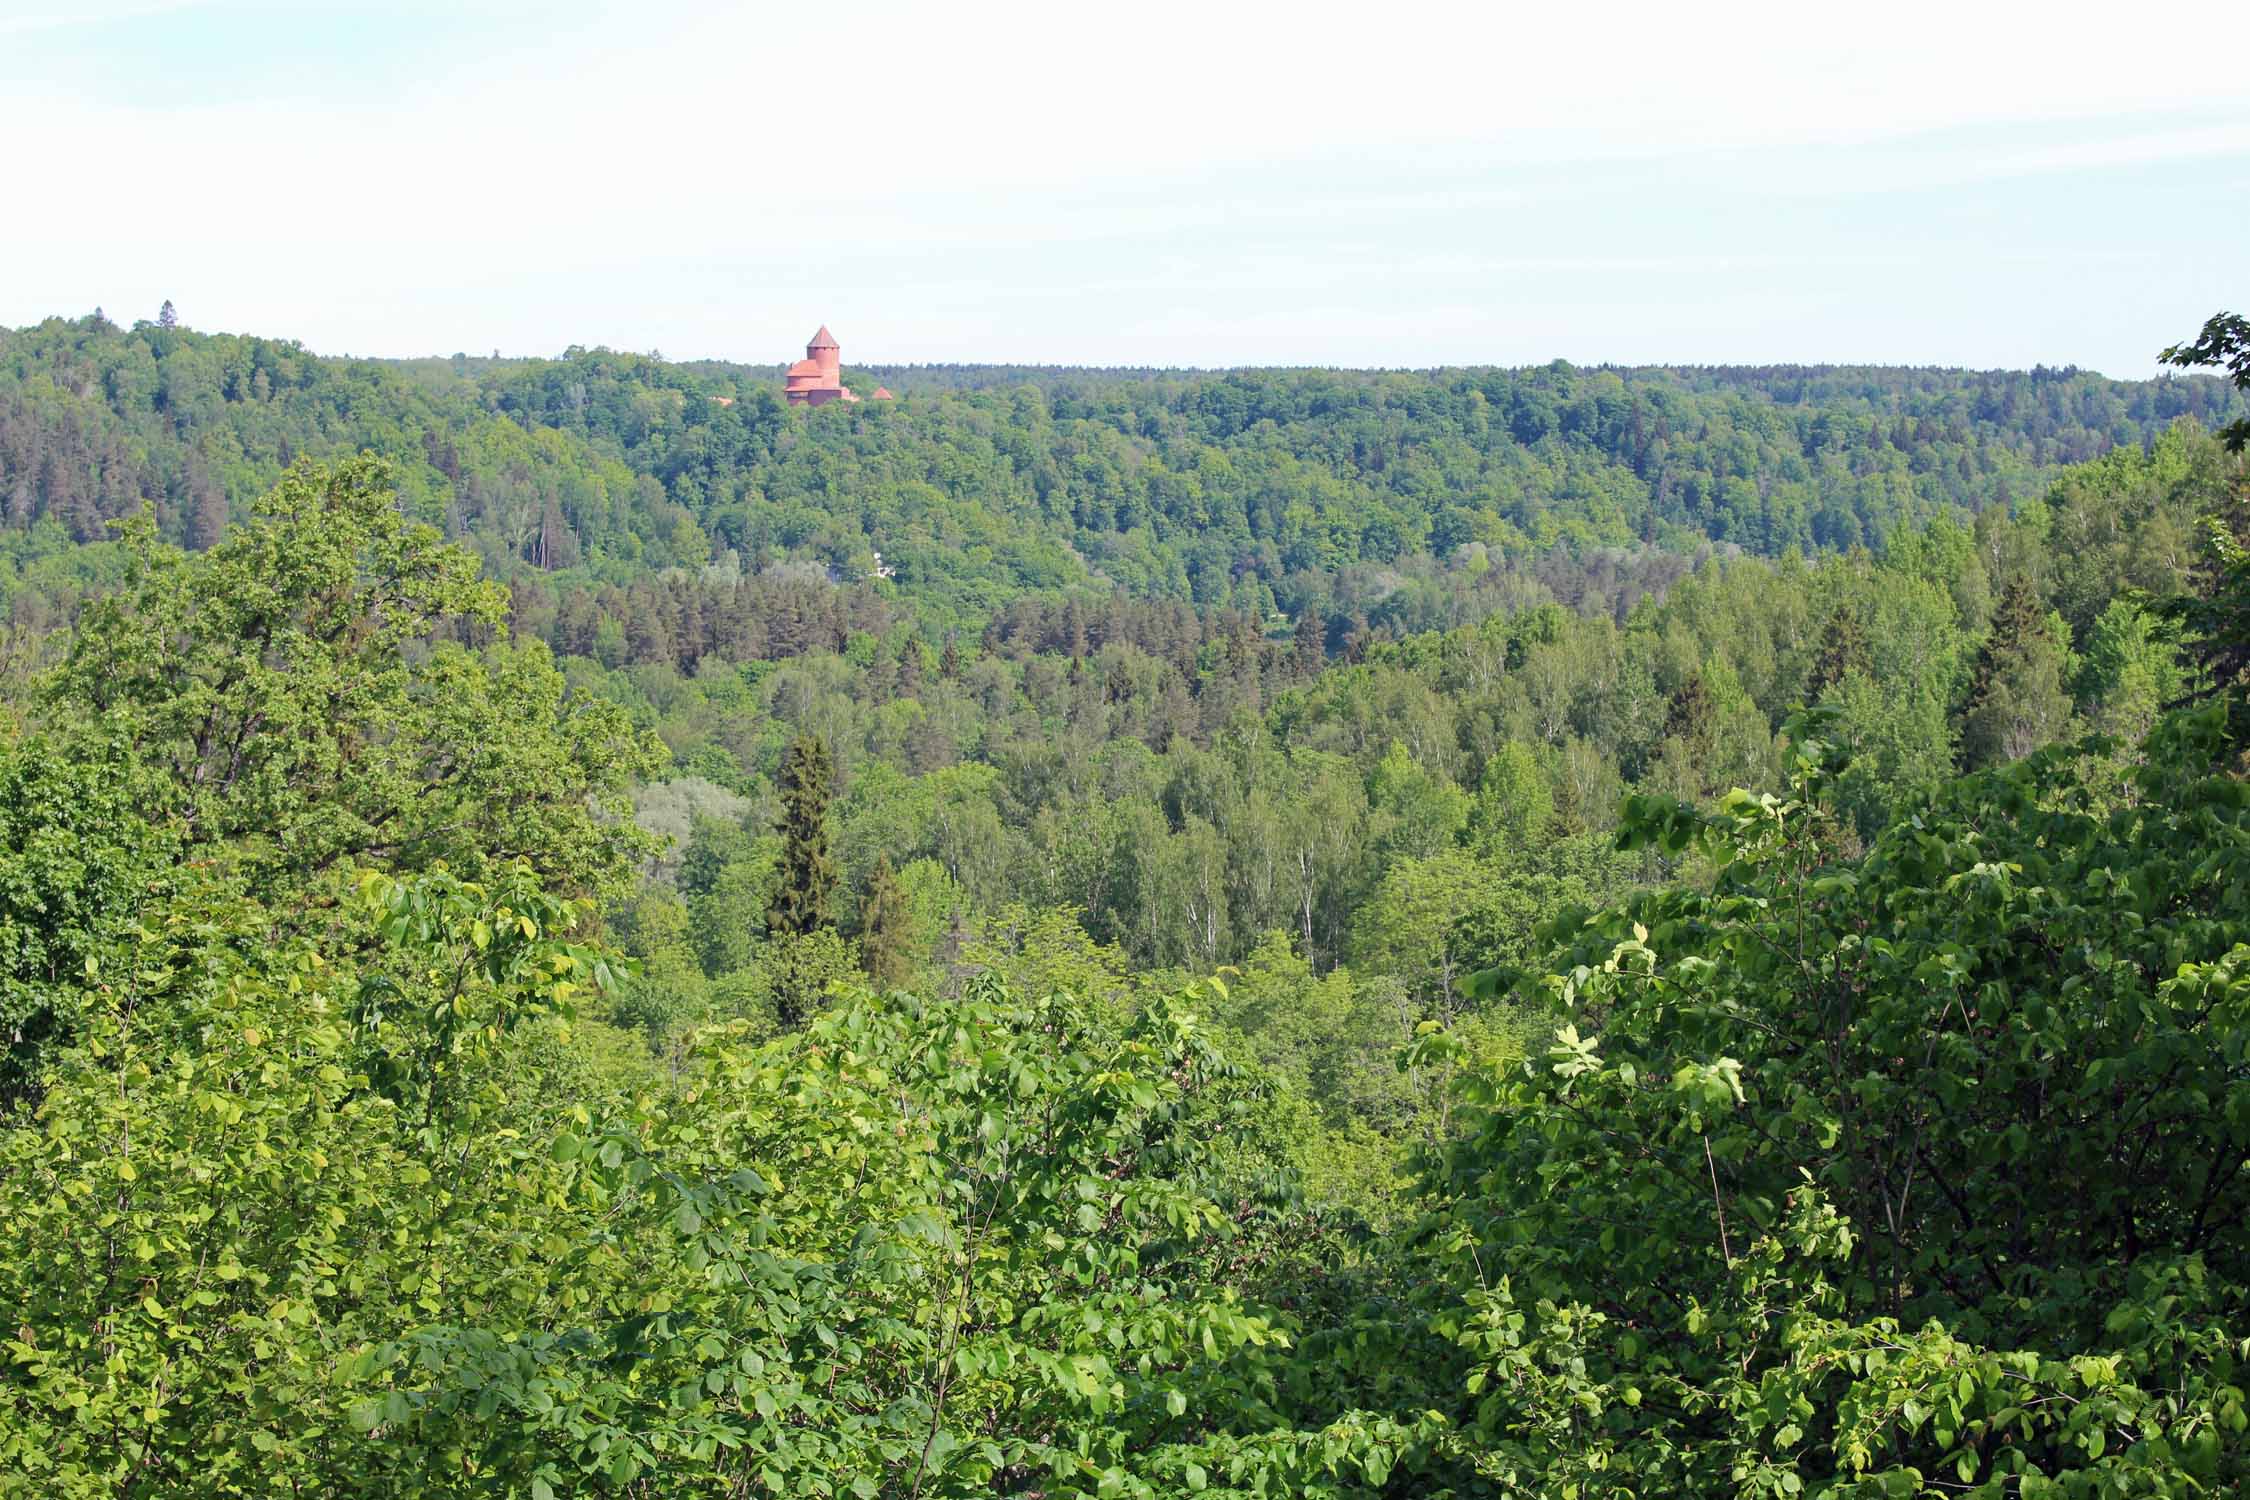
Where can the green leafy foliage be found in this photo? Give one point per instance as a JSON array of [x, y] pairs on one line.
[[1888, 1173], [250, 1165], [290, 687], [77, 864], [2224, 342]]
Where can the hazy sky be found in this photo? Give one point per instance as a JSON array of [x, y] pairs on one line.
[[1160, 182]]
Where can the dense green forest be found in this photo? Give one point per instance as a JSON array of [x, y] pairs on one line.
[[1562, 932], [611, 489]]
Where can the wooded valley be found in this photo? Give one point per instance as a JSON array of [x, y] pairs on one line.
[[567, 928]]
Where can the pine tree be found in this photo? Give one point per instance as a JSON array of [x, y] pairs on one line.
[[949, 665], [166, 317], [808, 871], [1309, 652], [886, 929]]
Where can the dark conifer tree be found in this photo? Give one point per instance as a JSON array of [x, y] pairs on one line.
[[2016, 698], [1843, 649], [1309, 652], [808, 870], [787, 633], [886, 929], [1241, 652], [1356, 639], [949, 665], [2016, 622], [1692, 715], [207, 514], [166, 317]]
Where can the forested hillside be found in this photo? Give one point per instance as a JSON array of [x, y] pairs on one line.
[[1413, 499], [1608, 933]]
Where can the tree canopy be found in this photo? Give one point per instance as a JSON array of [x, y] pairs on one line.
[[1702, 1024]]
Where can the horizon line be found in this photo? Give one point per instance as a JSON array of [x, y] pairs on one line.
[[1050, 366]]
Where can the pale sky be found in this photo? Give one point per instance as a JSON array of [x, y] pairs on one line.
[[1205, 183]]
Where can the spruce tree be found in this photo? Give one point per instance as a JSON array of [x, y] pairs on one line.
[[166, 317], [1843, 650], [2016, 622], [949, 664], [2016, 697], [1692, 715], [886, 929], [808, 871], [1309, 651]]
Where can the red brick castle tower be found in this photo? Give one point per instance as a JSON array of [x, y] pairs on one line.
[[818, 378]]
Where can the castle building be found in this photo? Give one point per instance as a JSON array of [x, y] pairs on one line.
[[818, 378]]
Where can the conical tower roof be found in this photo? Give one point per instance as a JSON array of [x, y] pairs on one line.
[[823, 339]]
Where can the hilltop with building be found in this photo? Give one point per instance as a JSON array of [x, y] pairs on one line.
[[818, 378]]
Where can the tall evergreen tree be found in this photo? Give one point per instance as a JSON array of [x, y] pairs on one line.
[[886, 929], [2016, 698], [808, 870], [1692, 714], [1843, 649], [1309, 651], [166, 316]]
